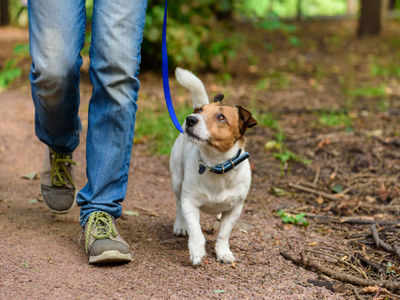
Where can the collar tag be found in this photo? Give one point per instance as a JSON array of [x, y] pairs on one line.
[[202, 169]]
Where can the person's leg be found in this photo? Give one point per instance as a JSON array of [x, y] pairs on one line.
[[117, 31], [115, 57], [56, 31]]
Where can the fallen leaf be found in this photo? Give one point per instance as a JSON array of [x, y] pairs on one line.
[[278, 192], [370, 289], [337, 188], [33, 201], [30, 176], [131, 213]]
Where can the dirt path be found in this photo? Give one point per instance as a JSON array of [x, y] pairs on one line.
[[41, 258], [343, 118]]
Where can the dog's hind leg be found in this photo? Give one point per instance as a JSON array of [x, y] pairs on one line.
[[224, 253]]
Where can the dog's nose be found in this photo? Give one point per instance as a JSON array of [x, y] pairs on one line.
[[191, 121]]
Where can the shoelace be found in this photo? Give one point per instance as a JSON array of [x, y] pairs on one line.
[[102, 225], [60, 175]]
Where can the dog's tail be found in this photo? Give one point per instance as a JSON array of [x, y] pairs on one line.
[[194, 85]]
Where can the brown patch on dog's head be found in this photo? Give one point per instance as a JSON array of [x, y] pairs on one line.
[[226, 124]]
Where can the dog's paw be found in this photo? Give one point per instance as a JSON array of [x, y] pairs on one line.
[[197, 256], [225, 255], [197, 249], [180, 229]]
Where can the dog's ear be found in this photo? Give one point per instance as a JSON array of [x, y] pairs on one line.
[[218, 98], [246, 120]]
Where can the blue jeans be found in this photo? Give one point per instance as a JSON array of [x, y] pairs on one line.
[[57, 33]]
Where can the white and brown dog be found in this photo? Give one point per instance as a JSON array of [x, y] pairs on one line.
[[209, 168]]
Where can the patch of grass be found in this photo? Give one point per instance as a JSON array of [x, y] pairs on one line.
[[266, 120], [385, 71], [282, 153], [298, 219], [294, 41], [335, 120], [9, 73], [224, 78], [156, 128], [21, 50], [274, 79], [368, 92]]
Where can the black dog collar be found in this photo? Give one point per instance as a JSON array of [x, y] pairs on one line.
[[225, 166]]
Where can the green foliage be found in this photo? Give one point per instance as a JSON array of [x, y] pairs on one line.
[[337, 188], [9, 73], [273, 23], [10, 70], [21, 50], [273, 79], [285, 155], [288, 8], [282, 153], [267, 120], [368, 92], [194, 40], [156, 127], [385, 71], [294, 41], [298, 219], [333, 119]]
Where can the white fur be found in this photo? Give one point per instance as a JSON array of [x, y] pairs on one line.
[[194, 85], [208, 192]]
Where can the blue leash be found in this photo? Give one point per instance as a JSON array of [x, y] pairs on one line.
[[167, 92]]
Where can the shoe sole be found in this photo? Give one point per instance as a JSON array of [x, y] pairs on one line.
[[111, 256], [62, 212]]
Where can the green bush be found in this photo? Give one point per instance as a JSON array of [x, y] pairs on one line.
[[194, 37]]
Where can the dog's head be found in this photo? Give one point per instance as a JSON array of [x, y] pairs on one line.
[[219, 126]]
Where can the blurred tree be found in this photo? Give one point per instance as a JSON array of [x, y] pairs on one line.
[[370, 20], [299, 12], [194, 38], [352, 7], [4, 13]]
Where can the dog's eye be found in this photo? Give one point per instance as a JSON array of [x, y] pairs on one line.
[[220, 117]]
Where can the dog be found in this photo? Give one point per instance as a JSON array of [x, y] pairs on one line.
[[209, 168]]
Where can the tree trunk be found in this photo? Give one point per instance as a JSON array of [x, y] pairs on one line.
[[352, 7], [299, 11], [4, 13], [369, 22]]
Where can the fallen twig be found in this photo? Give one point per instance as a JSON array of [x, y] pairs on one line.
[[381, 243], [147, 211], [356, 294], [365, 220], [317, 173], [317, 192], [336, 274]]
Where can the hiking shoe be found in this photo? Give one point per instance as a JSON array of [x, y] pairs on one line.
[[57, 185], [103, 244]]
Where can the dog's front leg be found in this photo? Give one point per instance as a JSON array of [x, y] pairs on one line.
[[224, 254], [197, 242]]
